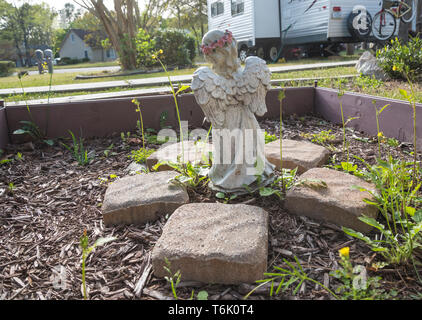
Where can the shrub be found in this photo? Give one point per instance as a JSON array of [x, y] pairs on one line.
[[178, 47], [67, 60], [6, 68], [145, 48], [396, 54]]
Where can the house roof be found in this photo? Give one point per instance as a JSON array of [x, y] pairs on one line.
[[81, 33]]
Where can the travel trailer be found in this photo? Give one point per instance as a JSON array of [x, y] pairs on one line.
[[268, 28]]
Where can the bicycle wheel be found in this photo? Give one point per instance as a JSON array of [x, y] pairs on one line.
[[408, 12], [384, 25]]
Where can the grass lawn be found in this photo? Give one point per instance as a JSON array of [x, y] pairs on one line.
[[330, 72], [69, 78]]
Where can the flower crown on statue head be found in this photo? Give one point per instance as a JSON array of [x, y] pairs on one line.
[[220, 43]]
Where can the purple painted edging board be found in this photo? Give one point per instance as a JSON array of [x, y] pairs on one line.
[[396, 121], [100, 118], [4, 130]]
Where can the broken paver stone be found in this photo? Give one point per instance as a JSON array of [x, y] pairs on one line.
[[301, 154], [214, 243], [337, 202], [141, 198]]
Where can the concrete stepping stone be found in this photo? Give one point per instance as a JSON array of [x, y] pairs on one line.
[[193, 153], [337, 203], [214, 243], [142, 197], [301, 154]]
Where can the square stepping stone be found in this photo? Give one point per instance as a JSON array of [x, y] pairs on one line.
[[301, 154], [141, 198], [194, 153], [338, 203], [214, 243]]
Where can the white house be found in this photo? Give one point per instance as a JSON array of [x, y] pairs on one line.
[[74, 47]]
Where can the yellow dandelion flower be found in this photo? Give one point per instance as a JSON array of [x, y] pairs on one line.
[[161, 51], [394, 68], [154, 56], [380, 134], [344, 252]]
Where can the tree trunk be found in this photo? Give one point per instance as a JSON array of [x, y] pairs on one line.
[[350, 49], [121, 28]]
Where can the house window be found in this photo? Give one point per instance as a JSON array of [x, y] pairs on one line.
[[86, 54], [108, 53], [238, 7], [217, 8]]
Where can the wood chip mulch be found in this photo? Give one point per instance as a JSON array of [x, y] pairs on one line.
[[53, 200]]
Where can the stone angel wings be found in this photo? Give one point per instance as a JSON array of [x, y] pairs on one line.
[[245, 88]]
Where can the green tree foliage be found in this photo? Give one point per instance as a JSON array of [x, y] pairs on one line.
[[27, 26], [189, 15]]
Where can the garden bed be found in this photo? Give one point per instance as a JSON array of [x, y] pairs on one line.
[[48, 200]]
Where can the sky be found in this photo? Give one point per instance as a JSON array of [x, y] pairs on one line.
[[59, 4]]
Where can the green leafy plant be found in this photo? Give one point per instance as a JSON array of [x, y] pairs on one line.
[[379, 133], [392, 142], [222, 195], [144, 49], [11, 188], [125, 138], [79, 153], [174, 279], [323, 138], [396, 54], [190, 175], [141, 155], [364, 82], [397, 199], [278, 187], [86, 250], [4, 161], [269, 137], [107, 152], [356, 284], [30, 127], [291, 275], [19, 156]]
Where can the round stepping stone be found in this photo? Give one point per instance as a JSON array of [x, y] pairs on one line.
[[194, 153], [301, 154], [141, 198], [338, 203], [214, 243]]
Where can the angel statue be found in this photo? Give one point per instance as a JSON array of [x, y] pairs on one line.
[[230, 97]]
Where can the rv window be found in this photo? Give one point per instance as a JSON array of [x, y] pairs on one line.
[[238, 7], [217, 8]]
